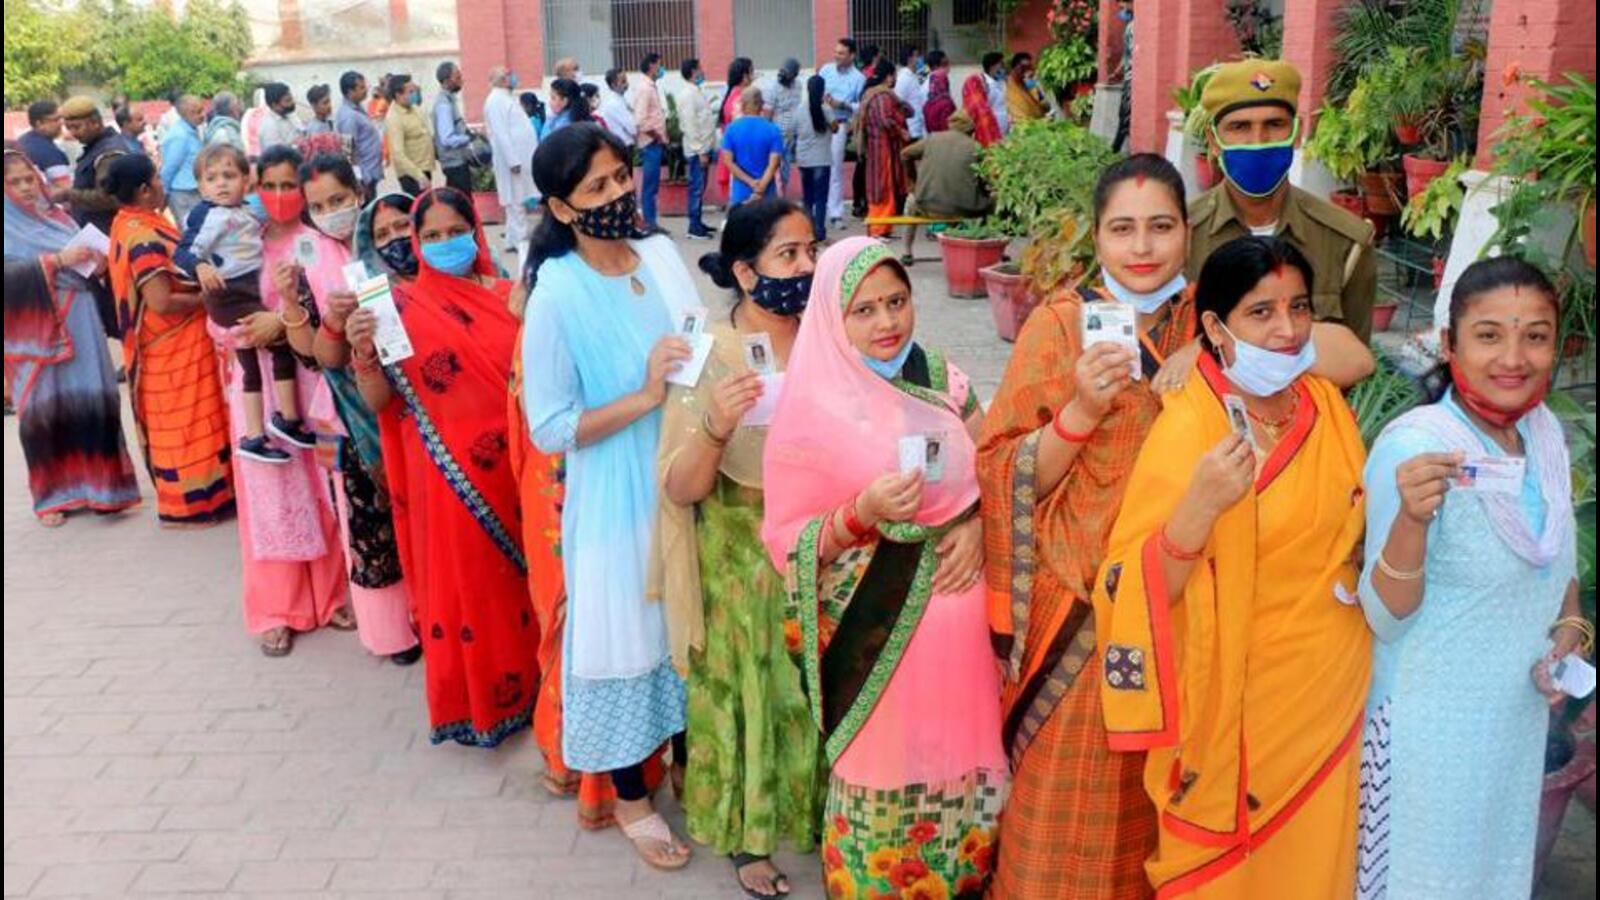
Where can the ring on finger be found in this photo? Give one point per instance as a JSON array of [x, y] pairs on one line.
[[1102, 383]]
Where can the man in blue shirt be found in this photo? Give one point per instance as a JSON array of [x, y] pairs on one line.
[[39, 145], [452, 142], [366, 141], [179, 148], [844, 84], [752, 150]]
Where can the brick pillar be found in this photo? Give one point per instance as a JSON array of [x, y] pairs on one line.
[[1172, 40], [830, 20], [399, 22], [1309, 28], [713, 36], [291, 33], [481, 27], [1542, 39], [1109, 55], [525, 44]]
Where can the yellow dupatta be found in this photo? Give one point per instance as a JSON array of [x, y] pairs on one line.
[[1246, 690], [1023, 104]]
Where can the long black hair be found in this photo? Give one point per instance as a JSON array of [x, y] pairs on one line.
[[126, 175], [738, 70], [881, 71], [746, 233], [571, 94], [1139, 167], [559, 166], [531, 104], [815, 88], [1234, 269]]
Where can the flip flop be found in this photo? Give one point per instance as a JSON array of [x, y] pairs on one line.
[[277, 648], [342, 620], [53, 520], [654, 828], [780, 881]]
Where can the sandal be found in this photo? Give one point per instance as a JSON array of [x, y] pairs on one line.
[[277, 642], [342, 619], [653, 829], [53, 520], [561, 787], [780, 881]]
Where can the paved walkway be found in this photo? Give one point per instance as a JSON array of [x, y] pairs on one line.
[[150, 750]]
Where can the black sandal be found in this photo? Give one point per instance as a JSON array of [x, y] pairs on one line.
[[780, 881]]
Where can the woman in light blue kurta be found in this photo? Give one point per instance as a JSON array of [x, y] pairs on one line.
[[1462, 588], [597, 343]]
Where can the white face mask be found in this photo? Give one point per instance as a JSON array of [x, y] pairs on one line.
[[1262, 373], [339, 224], [1146, 303]]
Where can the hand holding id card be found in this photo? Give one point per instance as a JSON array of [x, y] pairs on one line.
[[1113, 323], [692, 328], [391, 340], [925, 453], [1492, 474]]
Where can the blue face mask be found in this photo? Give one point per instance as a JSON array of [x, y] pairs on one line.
[[1258, 170], [658, 73], [513, 80], [888, 369], [700, 78], [1125, 15], [453, 256], [1262, 373], [416, 96], [1146, 303], [1030, 83]]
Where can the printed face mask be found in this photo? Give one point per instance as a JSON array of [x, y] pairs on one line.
[[453, 256], [338, 225], [400, 256], [1258, 169], [609, 221], [782, 296]]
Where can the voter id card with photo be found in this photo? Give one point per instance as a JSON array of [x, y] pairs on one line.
[[1114, 323], [1492, 474]]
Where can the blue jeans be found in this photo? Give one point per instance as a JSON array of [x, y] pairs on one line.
[[697, 193], [650, 167], [814, 188]]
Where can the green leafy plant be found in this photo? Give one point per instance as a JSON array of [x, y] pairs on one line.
[[1437, 93], [1352, 137], [983, 229], [1433, 212], [1060, 257], [1258, 29], [1043, 168], [1383, 397], [1579, 424], [1187, 97], [1062, 65], [483, 179], [1366, 29], [1549, 153]]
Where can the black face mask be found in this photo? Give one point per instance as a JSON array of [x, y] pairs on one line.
[[401, 256], [610, 221], [782, 296]]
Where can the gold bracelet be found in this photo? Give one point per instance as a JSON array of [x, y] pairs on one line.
[[305, 317], [1396, 574], [710, 433], [1585, 630]]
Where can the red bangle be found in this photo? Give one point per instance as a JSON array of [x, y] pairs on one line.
[[852, 523], [1071, 437], [1177, 553], [331, 333]]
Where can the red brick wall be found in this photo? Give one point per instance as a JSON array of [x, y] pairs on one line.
[[830, 20], [1172, 40], [1541, 38], [713, 35], [1309, 27]]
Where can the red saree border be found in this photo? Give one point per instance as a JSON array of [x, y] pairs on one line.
[[1158, 601]]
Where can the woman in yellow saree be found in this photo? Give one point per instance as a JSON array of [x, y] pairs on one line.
[[1231, 650]]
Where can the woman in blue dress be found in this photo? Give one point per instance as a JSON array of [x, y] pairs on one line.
[[598, 344], [1472, 595]]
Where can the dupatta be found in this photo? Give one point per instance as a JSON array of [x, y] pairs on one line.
[[882, 137], [837, 427], [1022, 103], [465, 337], [38, 296], [936, 112], [975, 100]]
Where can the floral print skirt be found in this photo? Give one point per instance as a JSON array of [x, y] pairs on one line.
[[920, 842]]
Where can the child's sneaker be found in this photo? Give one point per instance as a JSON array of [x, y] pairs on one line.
[[261, 450], [291, 432]]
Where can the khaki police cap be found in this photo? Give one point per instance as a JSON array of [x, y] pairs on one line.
[[1250, 82]]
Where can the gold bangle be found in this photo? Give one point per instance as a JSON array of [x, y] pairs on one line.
[[305, 318], [1397, 574], [710, 433], [1585, 630]]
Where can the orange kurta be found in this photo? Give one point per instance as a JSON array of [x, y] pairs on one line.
[[1246, 689], [1078, 823]]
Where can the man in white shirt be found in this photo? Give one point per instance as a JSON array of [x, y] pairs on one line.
[[844, 84], [908, 86], [698, 120], [513, 141], [614, 106], [994, 75], [278, 124]]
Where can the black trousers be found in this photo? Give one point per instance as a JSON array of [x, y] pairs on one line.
[[459, 177]]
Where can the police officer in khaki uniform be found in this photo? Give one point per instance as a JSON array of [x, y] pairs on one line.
[[1254, 129]]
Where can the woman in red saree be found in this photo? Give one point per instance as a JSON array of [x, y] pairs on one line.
[[940, 106], [881, 135], [975, 100], [442, 416]]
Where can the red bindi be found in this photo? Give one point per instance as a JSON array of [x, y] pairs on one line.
[[1138, 179]]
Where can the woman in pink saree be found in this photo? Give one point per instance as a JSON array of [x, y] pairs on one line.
[[886, 610]]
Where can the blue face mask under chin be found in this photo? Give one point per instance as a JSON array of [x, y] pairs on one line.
[[453, 256], [1258, 170], [889, 369]]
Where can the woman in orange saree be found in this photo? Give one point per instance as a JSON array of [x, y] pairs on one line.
[[173, 380], [1053, 460], [1231, 650]]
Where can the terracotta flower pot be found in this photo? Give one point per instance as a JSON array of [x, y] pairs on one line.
[[1588, 233], [1383, 316], [1206, 172], [1407, 132], [1010, 302], [1380, 192], [964, 257], [673, 199], [1420, 172], [1559, 786], [1348, 200], [487, 205]]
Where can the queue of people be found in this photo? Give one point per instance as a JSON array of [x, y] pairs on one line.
[[1154, 623]]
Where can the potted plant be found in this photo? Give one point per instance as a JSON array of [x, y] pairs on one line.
[[1429, 95], [1431, 214], [1353, 145], [673, 198], [1197, 125], [1042, 171], [968, 248], [1549, 155], [1067, 65], [485, 197], [1383, 397]]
